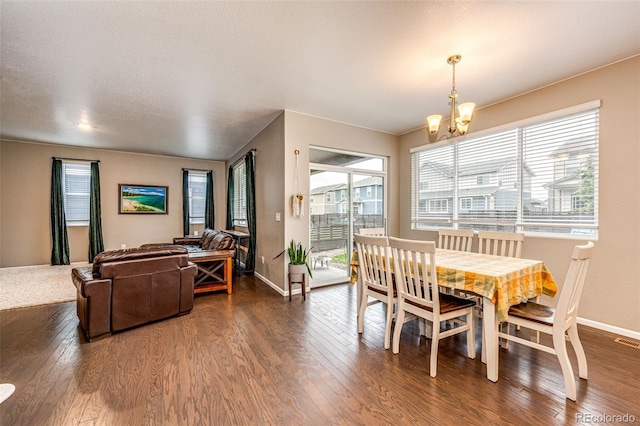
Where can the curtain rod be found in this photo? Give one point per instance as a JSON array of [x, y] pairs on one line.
[[75, 159], [195, 170], [251, 151]]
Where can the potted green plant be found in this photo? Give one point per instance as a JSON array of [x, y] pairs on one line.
[[298, 261]]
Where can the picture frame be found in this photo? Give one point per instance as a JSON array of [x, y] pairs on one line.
[[143, 199]]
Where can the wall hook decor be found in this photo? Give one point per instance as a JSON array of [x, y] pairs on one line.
[[297, 200]]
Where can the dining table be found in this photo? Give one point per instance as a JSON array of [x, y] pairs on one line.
[[501, 281]]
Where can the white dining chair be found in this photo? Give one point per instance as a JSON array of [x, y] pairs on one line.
[[501, 243], [376, 281], [419, 296], [558, 322], [455, 239], [372, 231]]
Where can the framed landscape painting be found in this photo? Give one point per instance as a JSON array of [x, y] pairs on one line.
[[143, 199]]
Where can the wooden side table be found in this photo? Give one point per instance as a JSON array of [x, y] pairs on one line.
[[304, 291], [215, 270]]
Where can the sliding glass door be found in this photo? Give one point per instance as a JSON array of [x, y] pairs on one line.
[[347, 193]]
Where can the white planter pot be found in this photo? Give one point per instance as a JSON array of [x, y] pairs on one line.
[[297, 271]]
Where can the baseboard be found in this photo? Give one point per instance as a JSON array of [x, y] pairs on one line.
[[589, 323], [282, 292], [610, 328]]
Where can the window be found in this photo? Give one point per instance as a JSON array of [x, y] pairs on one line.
[[466, 203], [328, 197], [76, 187], [438, 206], [240, 195], [368, 192], [538, 177], [483, 180], [197, 196]]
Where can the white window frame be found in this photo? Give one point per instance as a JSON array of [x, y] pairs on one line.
[[442, 205], [466, 201], [77, 211], [552, 227]]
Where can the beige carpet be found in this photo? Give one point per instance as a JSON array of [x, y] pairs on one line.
[[24, 286]]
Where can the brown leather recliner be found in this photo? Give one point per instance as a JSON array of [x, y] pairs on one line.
[[130, 287]]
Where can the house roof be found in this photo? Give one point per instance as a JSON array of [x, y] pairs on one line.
[[477, 168]]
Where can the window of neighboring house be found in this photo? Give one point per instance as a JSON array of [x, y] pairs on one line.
[[424, 186], [438, 206], [76, 187], [368, 192], [465, 203], [328, 197], [483, 180], [548, 168], [356, 193], [240, 195], [197, 196]]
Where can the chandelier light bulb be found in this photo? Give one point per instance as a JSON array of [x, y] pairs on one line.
[[433, 122], [466, 111]]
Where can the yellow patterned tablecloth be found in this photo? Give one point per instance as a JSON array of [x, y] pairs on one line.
[[507, 281]]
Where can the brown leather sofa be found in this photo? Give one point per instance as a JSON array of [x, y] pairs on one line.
[[210, 240], [130, 287]]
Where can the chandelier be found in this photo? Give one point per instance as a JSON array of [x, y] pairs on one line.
[[460, 124]]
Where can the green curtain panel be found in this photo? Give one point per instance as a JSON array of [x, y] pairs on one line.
[[209, 210], [249, 162], [96, 243], [185, 202], [230, 199], [59, 239]]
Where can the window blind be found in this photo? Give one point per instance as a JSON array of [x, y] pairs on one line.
[[240, 195], [76, 186], [197, 196], [539, 177]]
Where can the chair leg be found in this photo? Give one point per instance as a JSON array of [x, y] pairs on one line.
[[387, 327], [435, 339], [362, 308], [577, 347], [560, 346], [398, 330], [471, 336]]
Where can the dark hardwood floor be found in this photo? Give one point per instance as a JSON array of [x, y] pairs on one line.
[[254, 358]]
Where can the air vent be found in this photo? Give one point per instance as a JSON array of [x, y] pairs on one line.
[[627, 342]]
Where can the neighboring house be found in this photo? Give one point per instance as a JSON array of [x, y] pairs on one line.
[[482, 186], [322, 200], [573, 167], [367, 197]]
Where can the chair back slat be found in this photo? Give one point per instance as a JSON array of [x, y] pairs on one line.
[[569, 301], [374, 261], [501, 243], [414, 271], [455, 239]]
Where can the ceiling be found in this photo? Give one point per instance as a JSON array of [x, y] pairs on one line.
[[201, 79]]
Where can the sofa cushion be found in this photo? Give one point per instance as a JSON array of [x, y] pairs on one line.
[[221, 241], [134, 254]]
